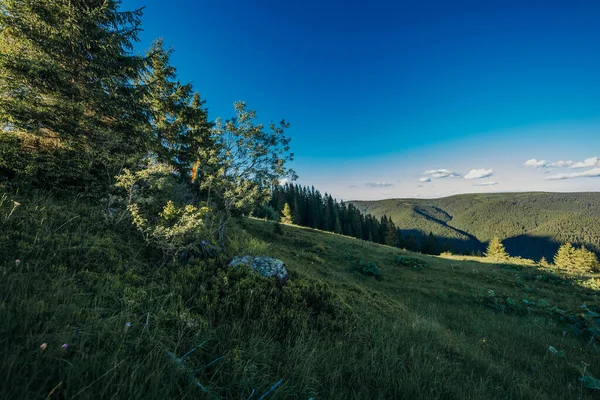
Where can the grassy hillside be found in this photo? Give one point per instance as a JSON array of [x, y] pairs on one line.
[[532, 225], [430, 328]]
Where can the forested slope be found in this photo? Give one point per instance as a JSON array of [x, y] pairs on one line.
[[532, 225]]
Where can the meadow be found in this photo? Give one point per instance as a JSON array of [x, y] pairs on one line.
[[116, 319]]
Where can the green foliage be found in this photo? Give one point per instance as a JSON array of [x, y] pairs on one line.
[[533, 224], [69, 110], [308, 207], [250, 160], [366, 268], [570, 259], [411, 262], [81, 279], [265, 211], [495, 250], [178, 122], [241, 295], [286, 215], [176, 229], [544, 263]]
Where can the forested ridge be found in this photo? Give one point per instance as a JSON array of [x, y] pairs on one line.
[[532, 225], [308, 207]]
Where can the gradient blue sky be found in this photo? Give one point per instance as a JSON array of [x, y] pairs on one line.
[[377, 93]]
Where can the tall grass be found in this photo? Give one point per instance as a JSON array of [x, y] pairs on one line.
[[329, 333]]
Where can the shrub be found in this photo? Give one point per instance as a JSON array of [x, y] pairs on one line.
[[228, 295], [411, 262], [367, 268], [265, 211], [180, 229]]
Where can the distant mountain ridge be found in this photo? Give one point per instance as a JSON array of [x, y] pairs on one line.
[[531, 224]]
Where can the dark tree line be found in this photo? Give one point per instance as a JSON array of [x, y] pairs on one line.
[[310, 208]]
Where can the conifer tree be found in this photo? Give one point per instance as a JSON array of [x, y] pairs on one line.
[[178, 121], [337, 227], [390, 233], [495, 250], [563, 259], [69, 107], [575, 260], [286, 215], [587, 261]]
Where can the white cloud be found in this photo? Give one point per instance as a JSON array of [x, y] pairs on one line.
[[535, 163], [441, 173], [426, 179], [592, 173], [587, 163], [378, 184], [479, 173], [559, 164], [488, 183], [283, 181]]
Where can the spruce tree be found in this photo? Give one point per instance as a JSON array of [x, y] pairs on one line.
[[70, 111], [286, 215], [390, 233], [495, 250], [588, 260], [178, 121], [564, 257]]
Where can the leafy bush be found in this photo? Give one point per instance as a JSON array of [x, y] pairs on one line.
[[367, 268], [177, 230], [411, 262], [265, 211], [227, 295], [183, 230]]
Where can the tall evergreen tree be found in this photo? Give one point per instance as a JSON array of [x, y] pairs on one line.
[[563, 259], [495, 250], [178, 121], [286, 215], [70, 111], [579, 260]]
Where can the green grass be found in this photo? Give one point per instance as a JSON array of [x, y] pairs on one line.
[[428, 332]]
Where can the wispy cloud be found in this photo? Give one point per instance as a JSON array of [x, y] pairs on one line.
[[536, 163], [441, 173], [559, 164], [378, 184], [487, 183], [479, 173], [426, 179], [587, 163], [592, 173]]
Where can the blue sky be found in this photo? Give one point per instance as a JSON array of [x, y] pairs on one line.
[[378, 93]]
